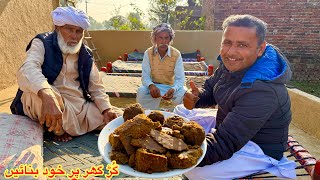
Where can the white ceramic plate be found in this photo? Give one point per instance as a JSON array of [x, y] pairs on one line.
[[105, 147]]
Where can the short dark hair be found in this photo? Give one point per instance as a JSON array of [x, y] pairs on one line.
[[248, 21]]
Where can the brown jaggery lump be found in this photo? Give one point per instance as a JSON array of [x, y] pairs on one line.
[[156, 116], [115, 142], [184, 159], [119, 157], [171, 132], [132, 160], [148, 146], [126, 142], [168, 141], [167, 130], [173, 120], [138, 127], [177, 134], [150, 162], [193, 133], [148, 143], [132, 110]]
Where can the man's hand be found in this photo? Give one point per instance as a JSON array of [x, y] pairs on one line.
[[154, 91], [109, 115], [51, 111], [169, 94], [190, 98]]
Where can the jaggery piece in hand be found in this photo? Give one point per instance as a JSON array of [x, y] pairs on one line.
[[150, 162], [168, 141]]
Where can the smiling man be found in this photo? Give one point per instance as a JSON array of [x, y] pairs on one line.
[[59, 85], [253, 105], [162, 70]]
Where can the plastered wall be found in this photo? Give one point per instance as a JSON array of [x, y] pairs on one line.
[[112, 44], [305, 111], [20, 21]]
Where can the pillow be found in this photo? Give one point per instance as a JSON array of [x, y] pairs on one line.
[[135, 56], [191, 55]]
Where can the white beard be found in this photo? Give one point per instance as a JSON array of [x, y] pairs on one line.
[[65, 48]]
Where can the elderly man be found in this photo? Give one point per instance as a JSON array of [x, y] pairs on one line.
[[59, 84], [253, 105], [162, 70]]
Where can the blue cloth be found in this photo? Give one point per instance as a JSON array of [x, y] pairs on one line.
[[268, 67], [179, 76]]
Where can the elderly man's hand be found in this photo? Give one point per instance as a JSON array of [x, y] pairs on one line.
[[169, 94], [51, 111], [109, 115], [190, 98], [154, 91]]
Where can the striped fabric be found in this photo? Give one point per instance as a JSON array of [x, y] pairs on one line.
[[189, 59]]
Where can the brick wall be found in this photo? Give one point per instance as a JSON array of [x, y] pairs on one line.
[[293, 26]]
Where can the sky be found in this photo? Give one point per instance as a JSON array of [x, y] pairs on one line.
[[102, 10]]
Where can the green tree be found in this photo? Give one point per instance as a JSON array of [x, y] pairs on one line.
[[194, 2], [135, 22], [107, 25], [188, 22], [134, 18], [119, 22], [95, 25], [162, 10]]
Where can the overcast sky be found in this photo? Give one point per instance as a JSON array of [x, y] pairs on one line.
[[102, 10]]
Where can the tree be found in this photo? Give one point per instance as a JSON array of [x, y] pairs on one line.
[[208, 13], [95, 25], [195, 3], [162, 10], [107, 25], [135, 21], [134, 18], [118, 21], [191, 3], [189, 17]]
